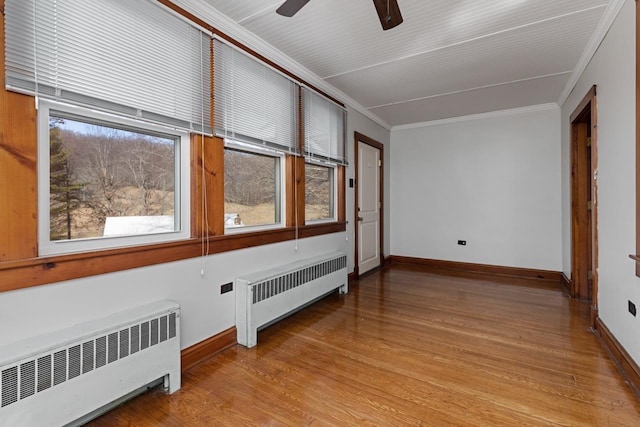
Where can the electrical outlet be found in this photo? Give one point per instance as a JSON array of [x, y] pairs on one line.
[[462, 242], [227, 287], [632, 308]]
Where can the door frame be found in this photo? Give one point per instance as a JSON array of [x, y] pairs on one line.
[[584, 180], [358, 137]]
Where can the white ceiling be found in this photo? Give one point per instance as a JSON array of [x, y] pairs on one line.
[[449, 58]]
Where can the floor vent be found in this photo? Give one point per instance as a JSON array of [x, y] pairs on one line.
[[265, 297], [60, 377]]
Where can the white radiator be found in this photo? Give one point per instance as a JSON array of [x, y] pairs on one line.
[[59, 378], [265, 297]]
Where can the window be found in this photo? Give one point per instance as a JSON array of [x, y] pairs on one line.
[[252, 188], [320, 192], [256, 110], [106, 55], [109, 181], [324, 129], [253, 103]]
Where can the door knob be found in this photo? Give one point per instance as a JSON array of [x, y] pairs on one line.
[[360, 218]]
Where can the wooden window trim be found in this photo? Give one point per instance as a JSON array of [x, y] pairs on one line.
[[21, 267], [44, 270]]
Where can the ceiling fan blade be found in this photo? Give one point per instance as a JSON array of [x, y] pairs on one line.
[[291, 7], [389, 13]]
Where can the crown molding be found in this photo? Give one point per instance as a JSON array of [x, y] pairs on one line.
[[212, 16], [480, 116], [606, 21]]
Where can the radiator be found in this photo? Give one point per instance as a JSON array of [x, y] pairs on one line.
[[61, 377], [265, 297]]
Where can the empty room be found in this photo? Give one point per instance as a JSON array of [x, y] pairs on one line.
[[319, 212]]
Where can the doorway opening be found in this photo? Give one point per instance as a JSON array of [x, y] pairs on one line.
[[368, 210], [584, 207]]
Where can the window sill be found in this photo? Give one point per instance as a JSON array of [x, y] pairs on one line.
[[50, 269]]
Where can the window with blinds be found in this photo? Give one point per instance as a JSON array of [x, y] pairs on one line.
[[324, 129], [254, 104], [133, 58]]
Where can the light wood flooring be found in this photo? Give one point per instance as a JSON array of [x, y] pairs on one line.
[[406, 347]]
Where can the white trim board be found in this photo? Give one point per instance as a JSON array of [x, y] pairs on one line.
[[608, 17], [480, 116]]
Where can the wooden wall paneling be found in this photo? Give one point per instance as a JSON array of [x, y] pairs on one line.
[[342, 190], [207, 186], [18, 170], [294, 187], [300, 191]]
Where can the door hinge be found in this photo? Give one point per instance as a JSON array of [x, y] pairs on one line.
[[590, 276], [380, 163], [379, 205], [589, 142], [589, 205]]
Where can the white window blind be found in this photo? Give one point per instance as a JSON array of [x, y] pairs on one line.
[[129, 57], [253, 103], [324, 128]]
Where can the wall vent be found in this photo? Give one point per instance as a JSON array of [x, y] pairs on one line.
[[267, 296], [36, 372]]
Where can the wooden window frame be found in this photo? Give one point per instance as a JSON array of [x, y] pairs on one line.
[[20, 265]]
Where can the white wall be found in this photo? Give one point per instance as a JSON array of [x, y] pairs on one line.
[[204, 311], [612, 69], [492, 181]]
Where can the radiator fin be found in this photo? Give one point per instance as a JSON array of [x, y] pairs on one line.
[[172, 325], [144, 335], [27, 379], [124, 343], [75, 363], [45, 371], [9, 386], [154, 332], [59, 367], [277, 285], [135, 339], [87, 357], [101, 352], [112, 347], [163, 329]]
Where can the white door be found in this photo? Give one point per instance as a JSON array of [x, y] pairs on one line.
[[368, 208]]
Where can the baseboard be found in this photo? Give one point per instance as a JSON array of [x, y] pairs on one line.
[[566, 283], [191, 356], [353, 276], [495, 270], [626, 365]]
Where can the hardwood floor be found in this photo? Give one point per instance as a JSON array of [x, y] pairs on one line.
[[406, 347]]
